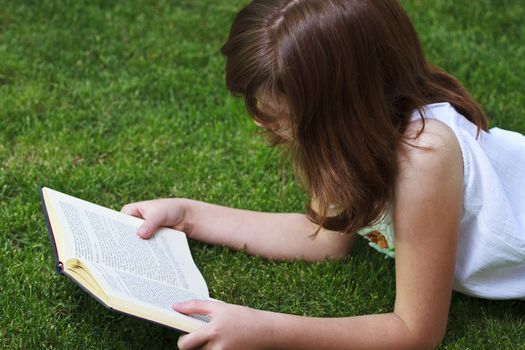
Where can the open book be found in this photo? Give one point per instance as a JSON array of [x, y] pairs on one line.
[[98, 249]]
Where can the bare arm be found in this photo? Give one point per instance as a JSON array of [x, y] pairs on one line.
[[238, 327], [271, 235]]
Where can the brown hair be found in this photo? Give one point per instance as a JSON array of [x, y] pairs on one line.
[[351, 73]]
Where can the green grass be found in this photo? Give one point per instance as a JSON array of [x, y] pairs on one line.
[[120, 101]]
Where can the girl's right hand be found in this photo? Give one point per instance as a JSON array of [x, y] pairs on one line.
[[170, 212]]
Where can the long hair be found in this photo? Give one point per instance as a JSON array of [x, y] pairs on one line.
[[351, 73]]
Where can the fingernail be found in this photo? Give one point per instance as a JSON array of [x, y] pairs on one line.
[[142, 232]]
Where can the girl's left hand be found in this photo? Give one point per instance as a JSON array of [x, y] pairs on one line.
[[230, 327]]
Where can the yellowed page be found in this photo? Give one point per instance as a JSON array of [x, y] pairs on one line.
[[63, 243], [122, 300], [75, 270], [145, 298]]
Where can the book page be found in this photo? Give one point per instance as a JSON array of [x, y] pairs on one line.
[[108, 237], [141, 291]]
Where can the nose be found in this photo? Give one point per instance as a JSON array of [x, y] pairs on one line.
[[270, 126], [259, 124]]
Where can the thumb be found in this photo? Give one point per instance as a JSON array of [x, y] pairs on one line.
[[150, 226], [200, 307]]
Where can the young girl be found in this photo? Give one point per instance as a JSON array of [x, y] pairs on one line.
[[379, 137]]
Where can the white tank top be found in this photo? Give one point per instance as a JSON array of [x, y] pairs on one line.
[[490, 260]]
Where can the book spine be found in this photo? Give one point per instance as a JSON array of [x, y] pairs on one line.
[[59, 267]]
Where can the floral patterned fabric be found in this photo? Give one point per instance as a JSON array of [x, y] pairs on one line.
[[381, 236]]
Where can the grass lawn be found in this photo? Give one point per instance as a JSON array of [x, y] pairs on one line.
[[121, 101]]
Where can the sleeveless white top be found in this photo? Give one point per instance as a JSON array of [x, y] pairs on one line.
[[490, 260]]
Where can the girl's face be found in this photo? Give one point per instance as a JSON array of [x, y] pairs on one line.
[[277, 108]]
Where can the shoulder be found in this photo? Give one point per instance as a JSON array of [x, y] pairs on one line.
[[428, 193], [430, 171], [431, 149]]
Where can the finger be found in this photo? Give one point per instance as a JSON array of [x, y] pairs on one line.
[[199, 307], [152, 220], [151, 224], [131, 209], [193, 340]]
